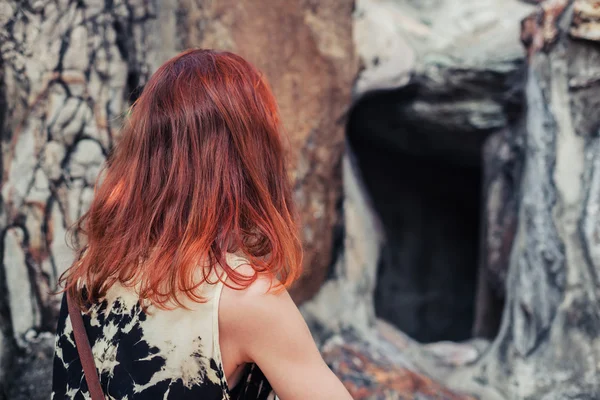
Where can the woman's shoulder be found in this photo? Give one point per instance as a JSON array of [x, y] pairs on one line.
[[263, 288], [264, 302]]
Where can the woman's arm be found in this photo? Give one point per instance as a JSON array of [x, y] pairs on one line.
[[268, 329]]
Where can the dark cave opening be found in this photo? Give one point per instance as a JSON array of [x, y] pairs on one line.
[[425, 183]]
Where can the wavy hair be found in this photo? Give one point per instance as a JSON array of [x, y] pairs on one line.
[[198, 171]]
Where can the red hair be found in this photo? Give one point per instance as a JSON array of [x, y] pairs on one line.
[[199, 171]]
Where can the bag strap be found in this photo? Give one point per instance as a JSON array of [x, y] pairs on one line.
[[85, 351]]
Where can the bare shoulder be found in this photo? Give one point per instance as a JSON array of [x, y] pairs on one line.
[[264, 326], [257, 316], [262, 298]]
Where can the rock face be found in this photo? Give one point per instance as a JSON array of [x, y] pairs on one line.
[[70, 69], [369, 374], [503, 157], [345, 301], [548, 345], [305, 49], [440, 79], [540, 207]]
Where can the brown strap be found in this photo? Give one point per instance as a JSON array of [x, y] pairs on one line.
[[85, 351]]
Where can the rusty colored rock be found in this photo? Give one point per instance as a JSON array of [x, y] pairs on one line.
[[539, 30], [368, 374], [586, 20], [305, 50]]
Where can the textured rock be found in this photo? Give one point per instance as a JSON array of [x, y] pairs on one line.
[[503, 156], [368, 373], [345, 301], [7, 342], [64, 97], [434, 36], [26, 312], [311, 67], [386, 56], [68, 68], [71, 68], [465, 67], [34, 369], [541, 33], [586, 20], [548, 344], [441, 357], [453, 75]]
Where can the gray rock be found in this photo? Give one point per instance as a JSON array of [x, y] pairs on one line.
[[462, 65], [345, 301], [548, 344], [31, 376], [20, 296], [440, 78]]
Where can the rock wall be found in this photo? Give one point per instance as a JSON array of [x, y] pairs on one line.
[[305, 49], [345, 301], [503, 158], [7, 343], [548, 345], [441, 79], [540, 205], [70, 69]]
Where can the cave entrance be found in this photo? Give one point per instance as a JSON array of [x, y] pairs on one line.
[[425, 184]]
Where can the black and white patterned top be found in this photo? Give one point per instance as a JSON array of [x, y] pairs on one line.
[[153, 354]]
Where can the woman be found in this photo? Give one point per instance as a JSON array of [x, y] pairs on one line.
[[190, 243]]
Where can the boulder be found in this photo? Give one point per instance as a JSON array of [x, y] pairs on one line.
[[549, 337], [369, 373], [306, 52]]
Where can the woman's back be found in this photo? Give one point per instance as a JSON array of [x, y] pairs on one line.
[[198, 173], [166, 354]]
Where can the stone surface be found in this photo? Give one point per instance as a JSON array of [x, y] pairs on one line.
[[24, 303], [68, 68], [370, 374], [503, 157], [586, 20], [386, 57], [345, 301], [62, 98], [33, 369], [432, 36], [548, 344], [465, 66], [438, 79], [306, 52]]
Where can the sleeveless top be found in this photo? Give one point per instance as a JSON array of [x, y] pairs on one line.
[[158, 354]]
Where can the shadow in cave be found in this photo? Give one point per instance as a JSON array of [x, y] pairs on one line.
[[425, 184]]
